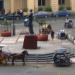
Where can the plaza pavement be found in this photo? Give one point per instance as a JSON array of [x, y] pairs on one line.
[[14, 44]]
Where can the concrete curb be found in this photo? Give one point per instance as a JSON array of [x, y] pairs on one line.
[[71, 38]]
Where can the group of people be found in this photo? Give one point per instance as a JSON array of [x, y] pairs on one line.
[[67, 20], [68, 23], [47, 29]]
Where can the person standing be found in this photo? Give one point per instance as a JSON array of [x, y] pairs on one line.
[[52, 34], [49, 28], [31, 23]]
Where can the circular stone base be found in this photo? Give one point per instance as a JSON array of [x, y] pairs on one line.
[[5, 34], [30, 42], [42, 37]]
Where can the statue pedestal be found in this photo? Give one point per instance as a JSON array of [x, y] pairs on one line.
[[30, 42]]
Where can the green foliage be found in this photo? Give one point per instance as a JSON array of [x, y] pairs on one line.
[[48, 8], [68, 8], [62, 7], [40, 9], [6, 25], [42, 22]]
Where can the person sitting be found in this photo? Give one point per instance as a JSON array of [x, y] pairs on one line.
[[68, 23], [62, 34], [46, 29], [67, 20]]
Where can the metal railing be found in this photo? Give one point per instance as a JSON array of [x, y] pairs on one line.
[[40, 57]]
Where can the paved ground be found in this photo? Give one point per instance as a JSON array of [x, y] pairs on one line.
[[37, 69], [14, 44]]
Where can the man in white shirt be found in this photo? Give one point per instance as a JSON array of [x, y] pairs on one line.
[[67, 20]]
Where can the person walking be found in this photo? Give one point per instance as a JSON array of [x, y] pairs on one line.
[[52, 34], [31, 23]]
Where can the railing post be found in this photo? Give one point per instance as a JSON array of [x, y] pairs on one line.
[[13, 25]]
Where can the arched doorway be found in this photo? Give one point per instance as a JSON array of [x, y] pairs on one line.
[[1, 4]]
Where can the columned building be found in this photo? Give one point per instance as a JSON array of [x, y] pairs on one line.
[[13, 5]]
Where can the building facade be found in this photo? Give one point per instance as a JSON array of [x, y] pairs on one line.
[[13, 5]]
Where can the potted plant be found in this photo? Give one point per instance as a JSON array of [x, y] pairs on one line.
[[40, 9], [62, 7], [6, 32], [68, 8], [48, 8], [42, 36]]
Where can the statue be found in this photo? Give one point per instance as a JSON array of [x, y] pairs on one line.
[[31, 22]]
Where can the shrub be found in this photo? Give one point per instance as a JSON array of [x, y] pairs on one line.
[[48, 8], [40, 9], [68, 8], [62, 7], [6, 25]]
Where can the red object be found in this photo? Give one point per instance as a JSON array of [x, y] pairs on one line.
[[42, 37], [6, 34], [30, 42]]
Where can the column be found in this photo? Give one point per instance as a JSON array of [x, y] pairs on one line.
[[24, 4], [35, 5], [67, 3], [16, 4], [54, 5], [7, 5], [30, 4], [12, 5], [72, 5], [48, 2]]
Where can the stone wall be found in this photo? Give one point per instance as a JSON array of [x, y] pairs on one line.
[[13, 5], [72, 5], [54, 5]]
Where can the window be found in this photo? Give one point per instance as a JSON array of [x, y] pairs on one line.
[[61, 2], [1, 4], [41, 2]]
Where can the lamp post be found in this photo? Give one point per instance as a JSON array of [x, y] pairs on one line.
[[13, 25]]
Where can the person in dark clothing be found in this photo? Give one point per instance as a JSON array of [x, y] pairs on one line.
[[30, 22], [52, 34], [49, 28], [3, 11]]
